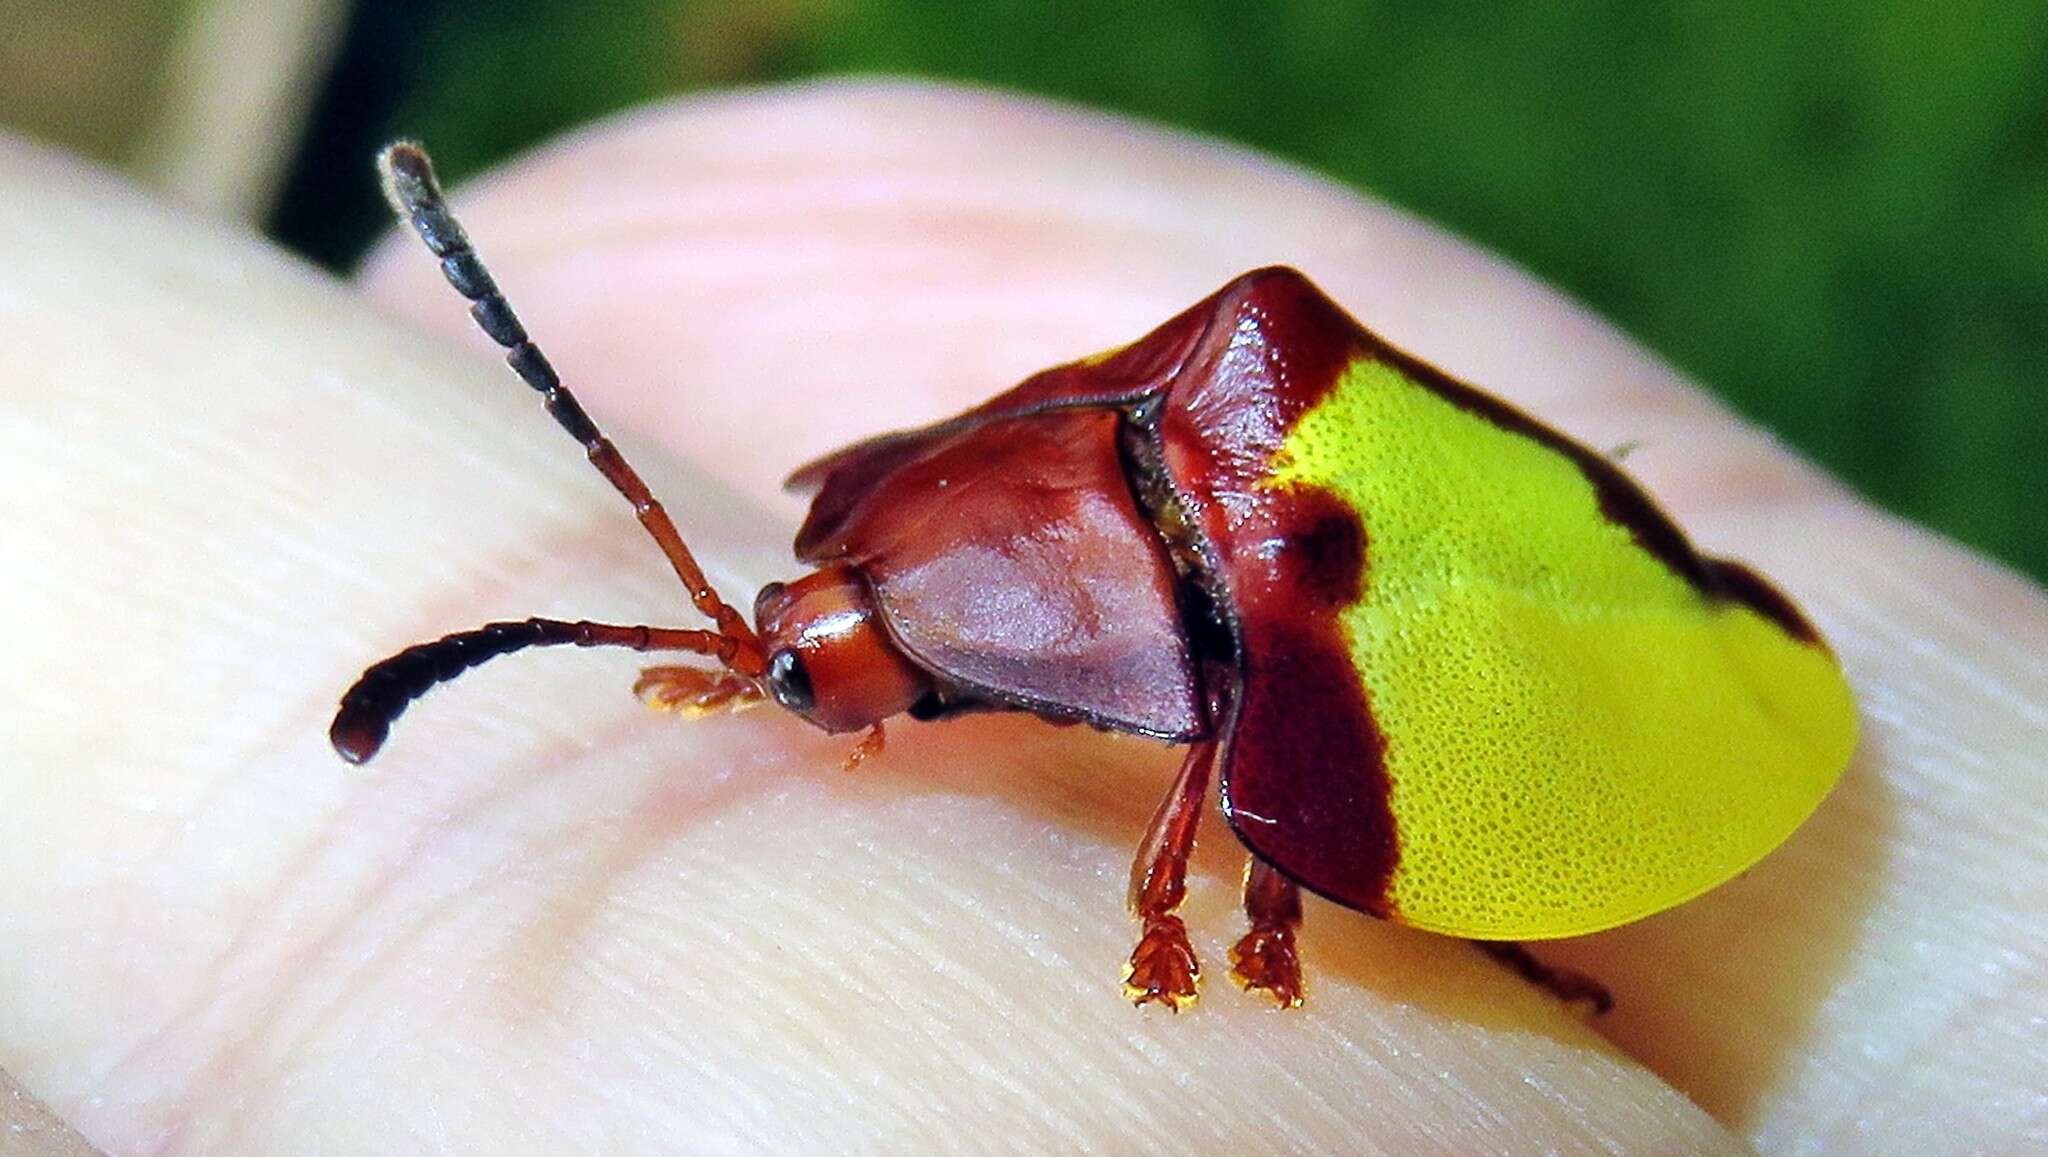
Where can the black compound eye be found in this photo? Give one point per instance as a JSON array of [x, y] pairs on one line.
[[789, 682]]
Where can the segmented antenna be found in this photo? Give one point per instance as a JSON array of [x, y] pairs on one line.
[[414, 193], [385, 690], [369, 708]]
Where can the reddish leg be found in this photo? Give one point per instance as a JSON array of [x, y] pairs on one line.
[[1162, 967], [695, 691], [1568, 985], [1265, 960], [870, 745]]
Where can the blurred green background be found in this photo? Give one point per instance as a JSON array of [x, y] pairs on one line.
[[1834, 214]]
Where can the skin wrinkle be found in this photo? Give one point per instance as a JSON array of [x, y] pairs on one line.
[[523, 569], [1412, 1039], [231, 1065]]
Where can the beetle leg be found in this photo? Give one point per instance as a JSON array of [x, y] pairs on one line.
[[870, 745], [1265, 959], [1566, 984], [1162, 967], [694, 691]]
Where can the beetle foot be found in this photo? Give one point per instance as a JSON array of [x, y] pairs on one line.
[[1566, 984], [1162, 967], [695, 692], [1265, 961], [870, 745]]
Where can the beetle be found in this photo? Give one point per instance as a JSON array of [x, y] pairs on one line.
[[1446, 665]]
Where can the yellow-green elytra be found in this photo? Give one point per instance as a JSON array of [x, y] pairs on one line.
[[1567, 718], [1575, 734]]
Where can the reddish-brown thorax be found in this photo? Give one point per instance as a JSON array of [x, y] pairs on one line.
[[829, 658]]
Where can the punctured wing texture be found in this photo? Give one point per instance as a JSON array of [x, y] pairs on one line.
[[1575, 719]]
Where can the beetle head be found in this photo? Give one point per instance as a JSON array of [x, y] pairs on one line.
[[830, 659]]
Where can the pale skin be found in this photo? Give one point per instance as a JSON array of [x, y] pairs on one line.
[[546, 917]]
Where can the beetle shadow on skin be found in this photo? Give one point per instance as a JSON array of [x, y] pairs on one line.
[[1107, 787], [1719, 995], [663, 803], [1714, 996]]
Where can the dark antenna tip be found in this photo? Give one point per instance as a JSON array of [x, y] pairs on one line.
[[381, 695], [407, 173], [356, 738]]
